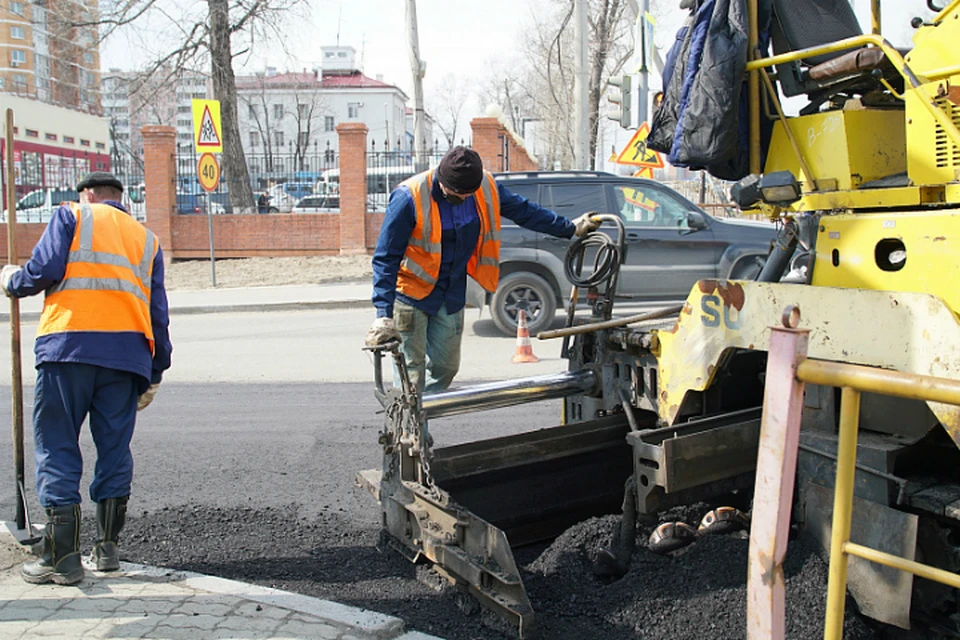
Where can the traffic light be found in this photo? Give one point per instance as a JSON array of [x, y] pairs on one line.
[[620, 96]]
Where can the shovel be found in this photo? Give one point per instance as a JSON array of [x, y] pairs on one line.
[[24, 534]]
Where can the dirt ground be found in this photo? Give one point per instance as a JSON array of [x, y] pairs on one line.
[[268, 272]]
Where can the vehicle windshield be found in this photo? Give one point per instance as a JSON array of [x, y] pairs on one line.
[[31, 200], [649, 206]]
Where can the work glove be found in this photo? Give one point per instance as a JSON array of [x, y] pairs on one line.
[[585, 224], [147, 397], [381, 331], [6, 275]]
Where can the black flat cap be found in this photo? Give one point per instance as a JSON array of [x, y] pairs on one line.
[[461, 170], [99, 179]]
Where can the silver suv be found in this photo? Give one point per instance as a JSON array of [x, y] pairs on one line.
[[670, 244]]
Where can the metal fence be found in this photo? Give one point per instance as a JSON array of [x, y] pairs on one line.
[[45, 179], [387, 169], [283, 176]]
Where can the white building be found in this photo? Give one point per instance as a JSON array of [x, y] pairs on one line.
[[289, 118]]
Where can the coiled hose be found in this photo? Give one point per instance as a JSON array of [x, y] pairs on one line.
[[606, 261]]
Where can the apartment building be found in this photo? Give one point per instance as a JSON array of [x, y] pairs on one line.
[[49, 52], [131, 101]]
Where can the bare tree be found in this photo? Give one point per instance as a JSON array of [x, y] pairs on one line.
[[225, 89], [447, 105], [208, 39], [259, 111], [309, 107], [538, 84]]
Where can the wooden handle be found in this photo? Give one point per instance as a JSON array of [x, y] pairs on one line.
[[16, 374]]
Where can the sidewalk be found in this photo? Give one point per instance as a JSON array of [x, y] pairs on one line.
[[148, 602], [240, 299]]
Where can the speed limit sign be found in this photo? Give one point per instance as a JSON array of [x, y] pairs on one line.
[[208, 171]]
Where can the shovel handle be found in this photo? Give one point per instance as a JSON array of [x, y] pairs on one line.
[[16, 365]]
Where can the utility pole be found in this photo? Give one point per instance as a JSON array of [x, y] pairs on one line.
[[419, 69], [581, 116], [643, 106], [640, 10]]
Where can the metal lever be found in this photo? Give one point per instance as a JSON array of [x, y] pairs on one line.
[[377, 350]]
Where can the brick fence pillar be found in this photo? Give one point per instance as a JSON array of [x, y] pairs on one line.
[[160, 182], [353, 187], [487, 142]]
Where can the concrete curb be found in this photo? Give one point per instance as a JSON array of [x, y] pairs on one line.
[[362, 622], [252, 307]]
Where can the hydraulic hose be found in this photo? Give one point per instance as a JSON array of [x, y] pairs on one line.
[[605, 262]]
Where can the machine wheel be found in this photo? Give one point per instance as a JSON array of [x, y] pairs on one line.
[[524, 291]]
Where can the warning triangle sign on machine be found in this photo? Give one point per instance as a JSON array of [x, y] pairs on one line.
[[636, 152], [208, 135]]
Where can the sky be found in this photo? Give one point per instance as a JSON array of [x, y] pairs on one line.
[[459, 41], [455, 36]]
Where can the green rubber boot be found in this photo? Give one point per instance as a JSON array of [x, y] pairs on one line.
[[60, 560], [111, 515]]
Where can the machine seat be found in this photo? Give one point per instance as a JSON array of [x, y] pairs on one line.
[[851, 63]]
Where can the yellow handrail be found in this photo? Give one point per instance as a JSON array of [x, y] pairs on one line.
[[854, 379]]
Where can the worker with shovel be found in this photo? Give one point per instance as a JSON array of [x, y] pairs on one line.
[[102, 347]]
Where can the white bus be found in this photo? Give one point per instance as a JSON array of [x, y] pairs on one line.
[[380, 182]]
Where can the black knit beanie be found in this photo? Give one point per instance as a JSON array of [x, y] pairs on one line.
[[461, 170]]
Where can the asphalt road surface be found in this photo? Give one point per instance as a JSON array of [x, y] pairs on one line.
[[245, 467]]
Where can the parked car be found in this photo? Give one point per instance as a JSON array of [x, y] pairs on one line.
[[39, 204], [284, 196], [188, 203], [317, 204], [670, 244]]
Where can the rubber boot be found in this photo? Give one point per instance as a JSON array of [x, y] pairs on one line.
[[60, 560], [111, 515]]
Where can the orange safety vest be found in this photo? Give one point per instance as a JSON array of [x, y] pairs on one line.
[[107, 283], [421, 262]]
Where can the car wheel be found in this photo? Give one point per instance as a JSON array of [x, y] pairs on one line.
[[528, 292], [273, 210], [748, 269]]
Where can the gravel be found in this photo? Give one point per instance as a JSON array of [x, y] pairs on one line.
[[698, 591], [263, 272]]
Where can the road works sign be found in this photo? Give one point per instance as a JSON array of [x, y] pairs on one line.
[[208, 171], [207, 134], [636, 152]]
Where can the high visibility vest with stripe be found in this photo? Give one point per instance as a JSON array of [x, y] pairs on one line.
[[421, 262], [107, 282]]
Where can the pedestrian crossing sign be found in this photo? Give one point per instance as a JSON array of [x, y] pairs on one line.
[[207, 134], [636, 152]]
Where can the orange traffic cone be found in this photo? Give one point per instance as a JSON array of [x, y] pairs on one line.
[[524, 350]]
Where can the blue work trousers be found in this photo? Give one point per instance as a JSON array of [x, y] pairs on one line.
[[66, 393], [431, 344]]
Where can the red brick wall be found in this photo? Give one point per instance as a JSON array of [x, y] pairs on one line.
[[486, 142], [244, 236], [353, 187], [373, 223], [28, 233], [160, 179], [498, 148]]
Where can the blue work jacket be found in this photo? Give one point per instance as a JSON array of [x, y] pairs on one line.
[[461, 231], [125, 351]]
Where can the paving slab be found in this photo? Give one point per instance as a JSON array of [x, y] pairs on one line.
[[141, 601]]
